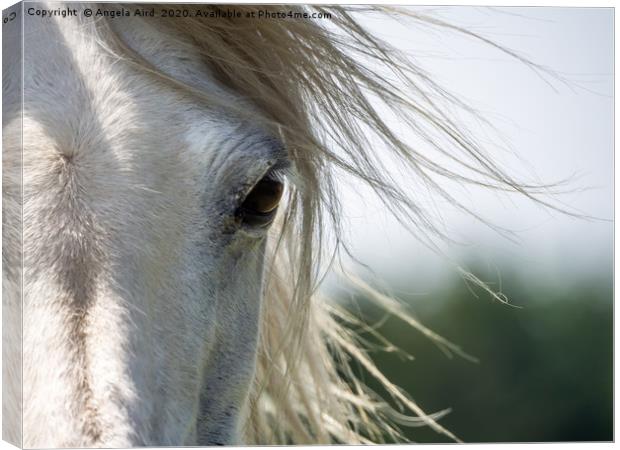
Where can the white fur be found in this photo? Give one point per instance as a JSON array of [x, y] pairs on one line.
[[129, 186]]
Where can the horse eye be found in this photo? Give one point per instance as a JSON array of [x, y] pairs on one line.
[[260, 205]]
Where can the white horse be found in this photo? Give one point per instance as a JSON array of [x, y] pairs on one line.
[[177, 176]]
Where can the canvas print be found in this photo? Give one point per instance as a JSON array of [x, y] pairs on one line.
[[305, 224]]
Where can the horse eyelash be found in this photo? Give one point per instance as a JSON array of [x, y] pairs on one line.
[[281, 172]]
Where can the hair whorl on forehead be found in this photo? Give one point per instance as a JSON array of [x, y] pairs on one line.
[[323, 87]]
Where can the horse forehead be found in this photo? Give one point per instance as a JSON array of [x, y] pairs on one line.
[[82, 94], [78, 95], [126, 122]]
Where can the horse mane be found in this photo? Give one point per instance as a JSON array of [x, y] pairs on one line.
[[324, 87]]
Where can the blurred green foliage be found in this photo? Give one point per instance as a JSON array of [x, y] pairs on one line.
[[545, 370]]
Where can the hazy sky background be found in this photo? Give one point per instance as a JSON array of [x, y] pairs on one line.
[[557, 132]]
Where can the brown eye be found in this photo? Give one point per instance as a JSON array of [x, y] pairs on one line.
[[260, 205]]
